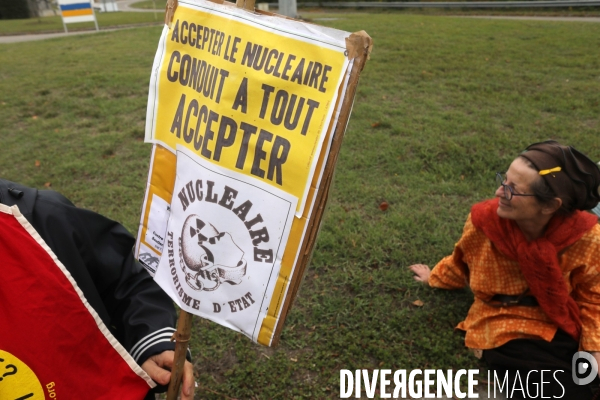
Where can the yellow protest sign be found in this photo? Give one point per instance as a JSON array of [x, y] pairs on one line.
[[246, 113], [249, 95]]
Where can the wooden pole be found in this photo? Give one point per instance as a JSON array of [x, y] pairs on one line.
[[184, 323], [359, 46], [169, 11], [246, 4], [181, 338]]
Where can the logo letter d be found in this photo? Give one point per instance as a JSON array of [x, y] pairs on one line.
[[582, 368], [346, 374]]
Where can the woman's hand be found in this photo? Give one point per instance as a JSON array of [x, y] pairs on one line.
[[421, 272]]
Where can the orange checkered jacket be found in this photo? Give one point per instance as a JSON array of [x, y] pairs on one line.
[[476, 263]]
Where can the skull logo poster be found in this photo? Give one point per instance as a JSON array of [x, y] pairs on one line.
[[224, 244], [242, 113]]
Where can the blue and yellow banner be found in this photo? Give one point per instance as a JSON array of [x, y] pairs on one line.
[[76, 11]]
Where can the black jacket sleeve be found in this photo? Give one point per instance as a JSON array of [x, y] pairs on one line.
[[98, 253]]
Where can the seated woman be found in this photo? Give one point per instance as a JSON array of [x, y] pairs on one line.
[[531, 256]]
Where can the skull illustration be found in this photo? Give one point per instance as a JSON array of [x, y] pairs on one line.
[[213, 255]]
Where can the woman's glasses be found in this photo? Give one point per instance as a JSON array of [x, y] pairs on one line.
[[509, 192]]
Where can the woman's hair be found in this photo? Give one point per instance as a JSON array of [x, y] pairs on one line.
[[543, 192], [565, 173]]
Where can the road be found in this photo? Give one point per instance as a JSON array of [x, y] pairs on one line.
[[124, 5], [532, 18]]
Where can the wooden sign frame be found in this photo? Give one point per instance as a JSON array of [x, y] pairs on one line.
[[359, 46]]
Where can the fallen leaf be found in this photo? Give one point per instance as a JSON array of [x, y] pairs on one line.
[[294, 359], [375, 124], [418, 303], [37, 163], [34, 117], [47, 184], [384, 97], [462, 177], [383, 205]]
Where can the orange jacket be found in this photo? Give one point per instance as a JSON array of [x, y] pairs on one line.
[[475, 262]]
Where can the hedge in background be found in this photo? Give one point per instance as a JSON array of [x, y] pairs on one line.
[[14, 9]]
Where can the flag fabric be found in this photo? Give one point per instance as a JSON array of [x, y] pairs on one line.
[[52, 343]]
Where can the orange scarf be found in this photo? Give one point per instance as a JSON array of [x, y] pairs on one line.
[[538, 259]]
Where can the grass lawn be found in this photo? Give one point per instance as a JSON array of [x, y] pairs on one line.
[[442, 105]]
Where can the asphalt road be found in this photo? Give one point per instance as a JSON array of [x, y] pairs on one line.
[[124, 5]]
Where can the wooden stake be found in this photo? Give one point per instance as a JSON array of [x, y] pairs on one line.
[[181, 338], [170, 11], [246, 4], [359, 46]]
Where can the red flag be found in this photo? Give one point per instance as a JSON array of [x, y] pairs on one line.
[[52, 343]]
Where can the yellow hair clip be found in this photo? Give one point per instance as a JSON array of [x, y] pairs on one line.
[[549, 171]]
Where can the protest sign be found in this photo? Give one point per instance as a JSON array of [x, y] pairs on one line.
[[224, 244], [227, 83], [244, 112]]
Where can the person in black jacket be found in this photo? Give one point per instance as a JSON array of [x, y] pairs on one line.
[[97, 252]]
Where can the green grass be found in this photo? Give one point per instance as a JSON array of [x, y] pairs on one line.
[[54, 23], [442, 104]]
